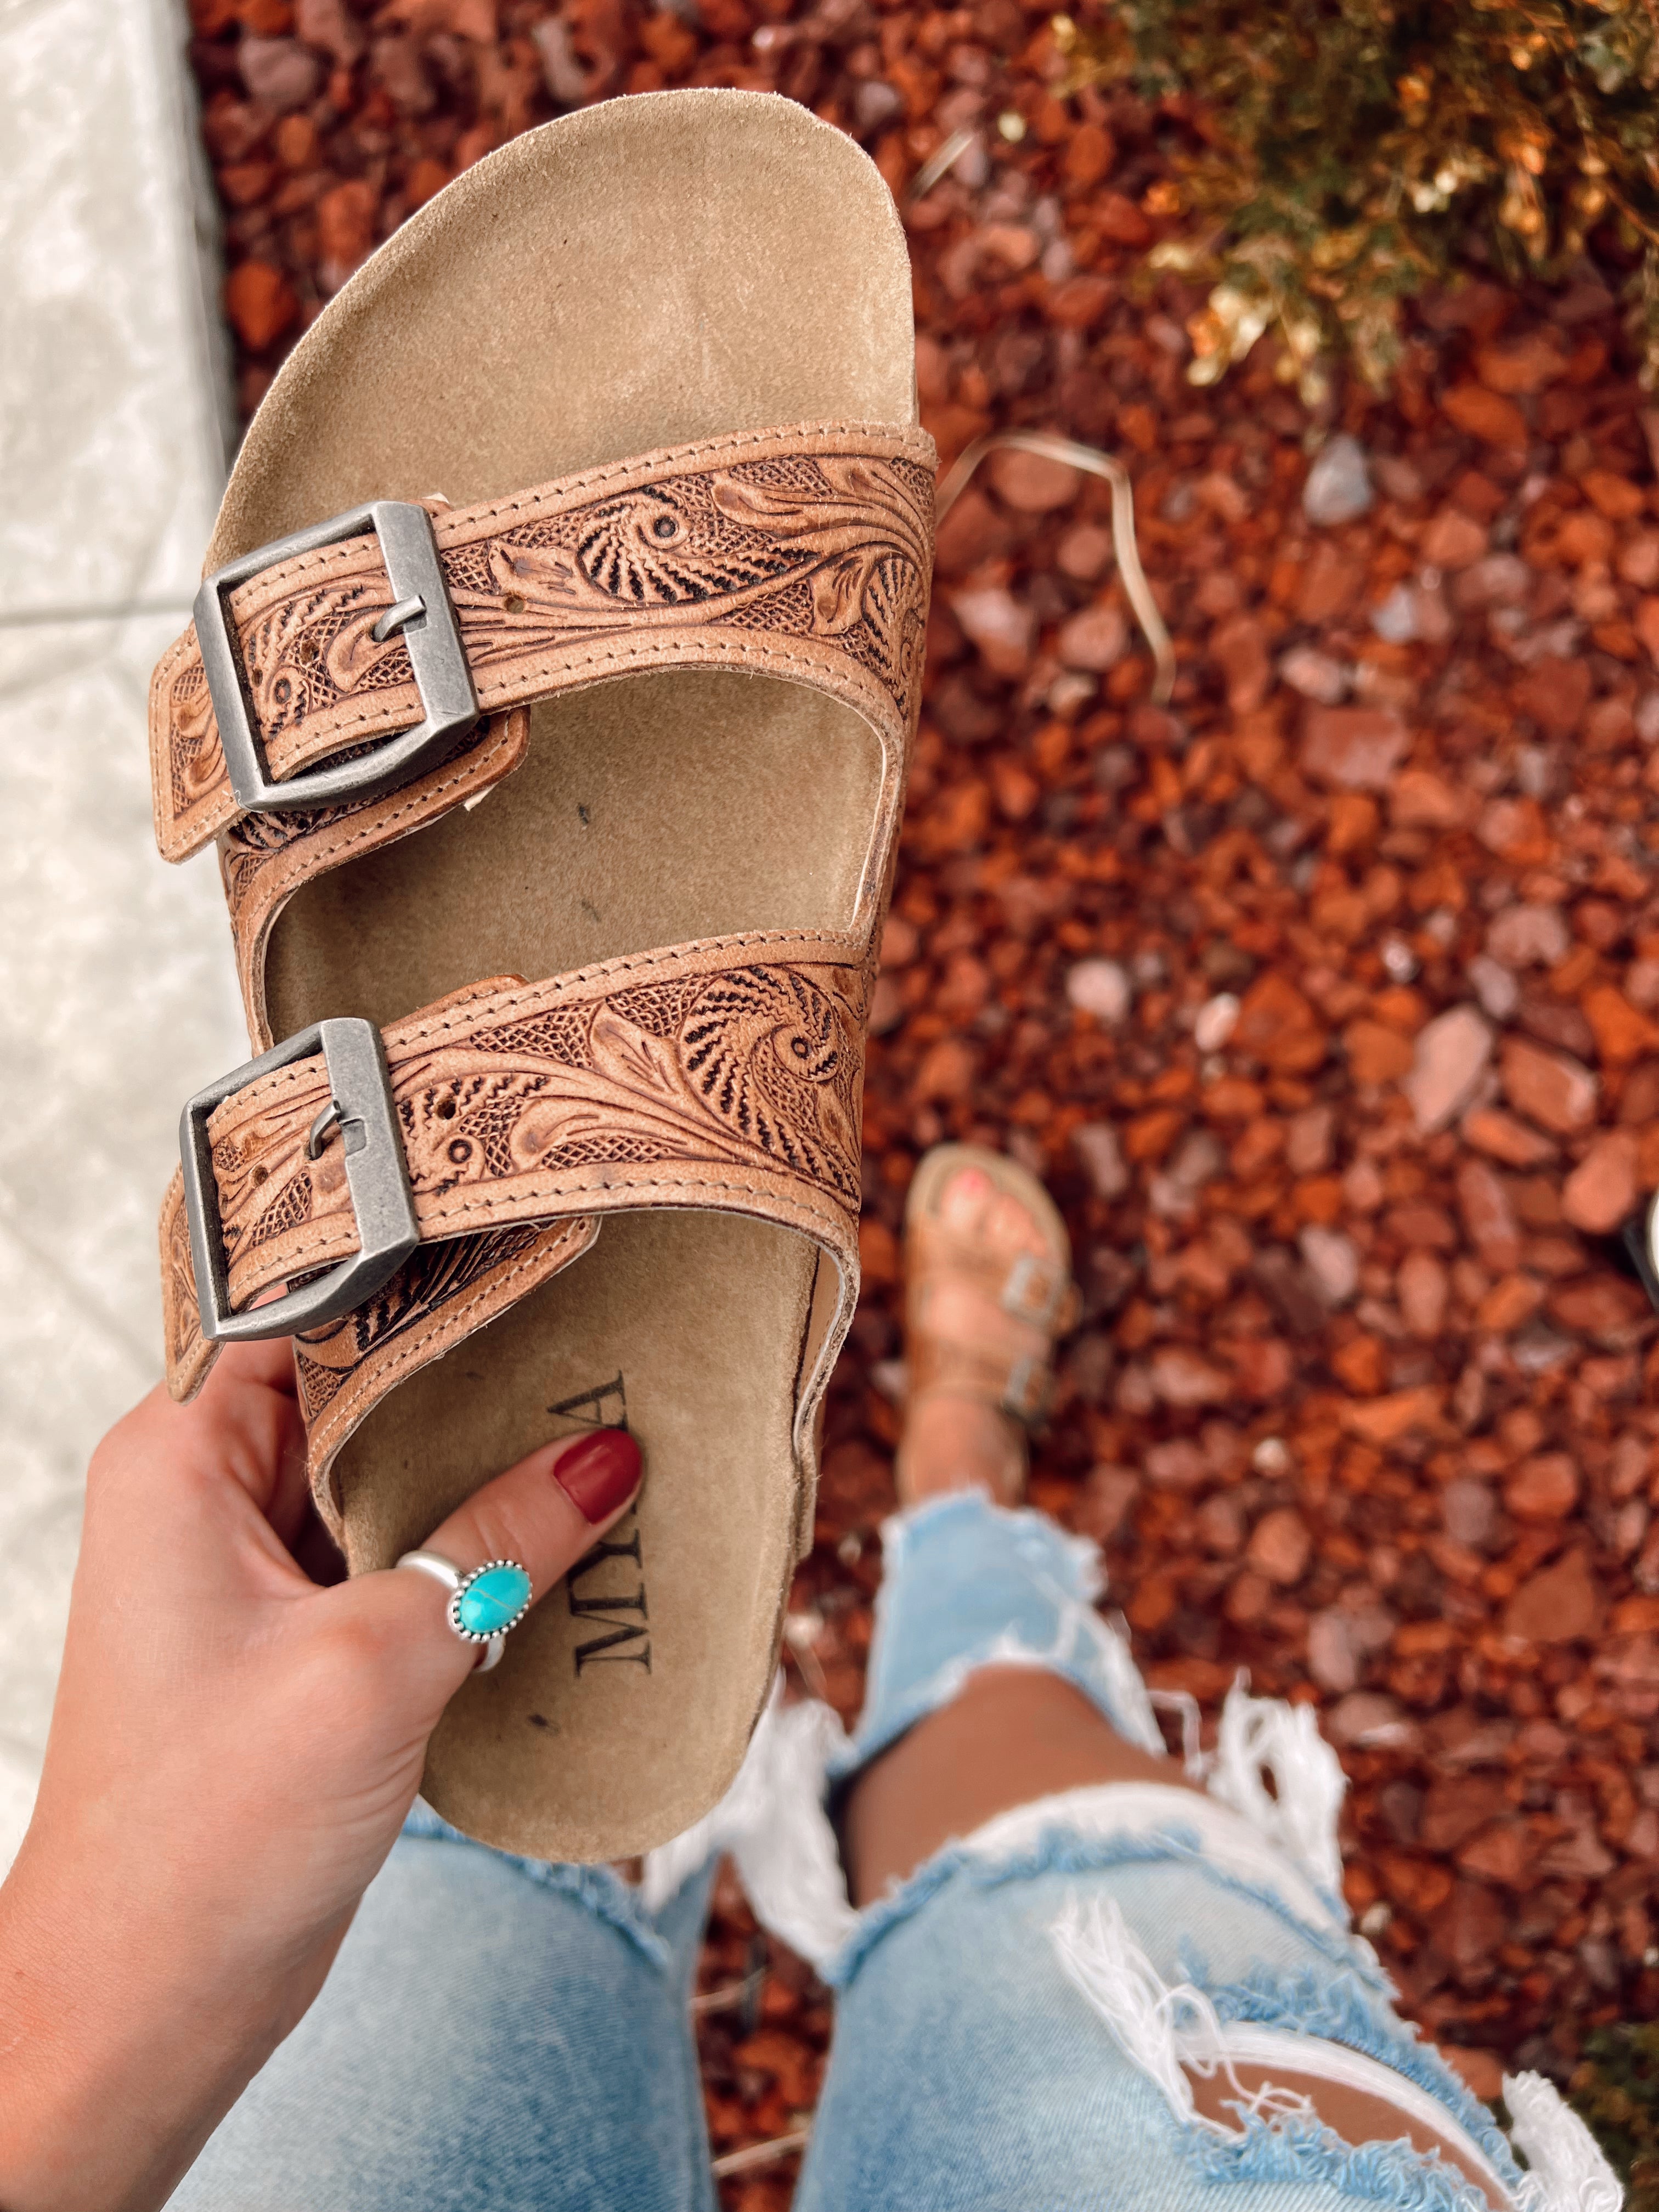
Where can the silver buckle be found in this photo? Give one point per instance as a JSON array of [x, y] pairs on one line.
[[377, 1176], [1034, 1291], [421, 611], [1025, 1394]]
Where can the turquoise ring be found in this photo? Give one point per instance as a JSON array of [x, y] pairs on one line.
[[484, 1606]]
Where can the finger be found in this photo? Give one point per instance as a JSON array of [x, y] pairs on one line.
[[262, 1374], [244, 1425], [545, 1513], [268, 1361]]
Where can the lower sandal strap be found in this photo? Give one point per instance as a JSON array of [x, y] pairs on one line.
[[440, 1296], [945, 1367], [725, 1075]]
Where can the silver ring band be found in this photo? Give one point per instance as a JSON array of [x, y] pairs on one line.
[[445, 1572]]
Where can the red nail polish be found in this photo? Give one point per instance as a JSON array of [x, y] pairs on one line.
[[596, 1474]]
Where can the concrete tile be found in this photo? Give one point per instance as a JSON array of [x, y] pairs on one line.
[[119, 997], [118, 1000], [116, 997], [17, 1782], [111, 375], [40, 1528]]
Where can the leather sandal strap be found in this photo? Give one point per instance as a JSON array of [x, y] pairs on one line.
[[438, 1297], [725, 1075], [802, 552], [1033, 1287], [949, 1367]]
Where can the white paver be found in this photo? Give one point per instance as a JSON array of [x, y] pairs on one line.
[[116, 989]]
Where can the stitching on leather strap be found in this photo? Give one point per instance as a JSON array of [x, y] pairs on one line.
[[725, 1073], [371, 1370]]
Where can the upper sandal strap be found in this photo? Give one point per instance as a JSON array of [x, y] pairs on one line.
[[724, 1075], [803, 552], [1034, 1286]]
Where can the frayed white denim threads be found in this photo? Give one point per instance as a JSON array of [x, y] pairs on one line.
[[1567, 2171], [1172, 2031], [773, 1823], [1195, 1827], [1265, 1735], [1342, 2008]]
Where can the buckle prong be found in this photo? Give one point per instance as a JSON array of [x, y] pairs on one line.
[[320, 1128], [396, 619], [421, 613], [377, 1177]]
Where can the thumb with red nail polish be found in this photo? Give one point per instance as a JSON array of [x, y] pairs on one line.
[[599, 1473]]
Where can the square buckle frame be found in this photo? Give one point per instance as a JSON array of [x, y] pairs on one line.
[[377, 1176], [421, 611], [1034, 1290]]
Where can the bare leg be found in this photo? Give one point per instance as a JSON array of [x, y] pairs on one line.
[[1014, 1734]]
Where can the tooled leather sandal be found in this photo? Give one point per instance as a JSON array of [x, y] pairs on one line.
[[556, 778], [1033, 1287]]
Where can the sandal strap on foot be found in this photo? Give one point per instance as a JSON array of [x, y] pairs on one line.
[[1033, 1287], [946, 1367]]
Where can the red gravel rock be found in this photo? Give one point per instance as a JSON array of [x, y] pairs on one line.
[[1454, 539], [1448, 1060], [1621, 1033], [1601, 1190], [260, 303], [1423, 1288], [1483, 414], [1542, 1489], [279, 73], [1352, 748], [330, 27], [1303, 1308], [1280, 1547], [1499, 1134], [1552, 1087], [1558, 1606], [1095, 639], [1030, 483]]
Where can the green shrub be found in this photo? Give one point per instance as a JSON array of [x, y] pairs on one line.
[[1617, 2091], [1351, 148]]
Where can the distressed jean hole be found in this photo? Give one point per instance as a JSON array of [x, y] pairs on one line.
[[1353, 2114]]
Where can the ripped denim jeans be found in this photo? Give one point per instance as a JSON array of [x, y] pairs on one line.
[[1018, 2026]]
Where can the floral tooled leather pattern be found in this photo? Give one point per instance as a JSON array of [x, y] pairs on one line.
[[726, 1074], [753, 1061], [430, 1278], [805, 553]]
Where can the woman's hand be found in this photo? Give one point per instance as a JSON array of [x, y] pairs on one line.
[[233, 1751]]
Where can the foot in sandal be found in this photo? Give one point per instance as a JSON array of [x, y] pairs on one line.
[[987, 1265], [667, 619]]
